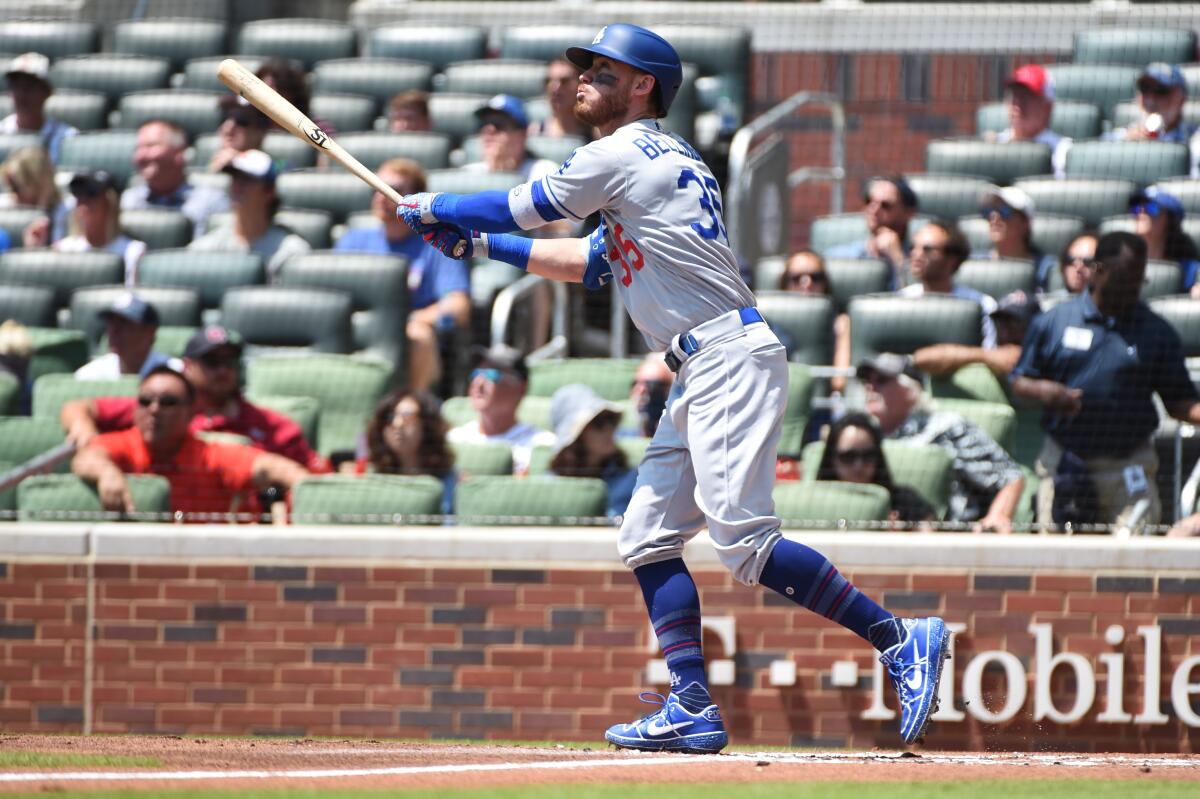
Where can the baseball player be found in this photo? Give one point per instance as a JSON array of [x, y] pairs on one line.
[[712, 460]]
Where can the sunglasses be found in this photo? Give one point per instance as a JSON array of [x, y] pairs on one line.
[[604, 421], [163, 400], [499, 125], [210, 362], [848, 457], [1150, 208], [1156, 89], [1003, 211], [927, 249], [1079, 259], [875, 378], [490, 375], [796, 278], [886, 205]]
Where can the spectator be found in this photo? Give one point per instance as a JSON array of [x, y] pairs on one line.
[[407, 435], [211, 364], [987, 482], [889, 204], [651, 384], [1075, 263], [289, 79], [207, 479], [1161, 93], [938, 250], [252, 227], [439, 287], [805, 273], [1011, 318], [854, 454], [96, 222], [130, 324], [243, 127], [585, 443], [16, 350], [1094, 363], [503, 132], [1009, 213], [497, 386], [29, 87], [1158, 219], [160, 157], [29, 180], [562, 81], [1030, 101], [409, 111]]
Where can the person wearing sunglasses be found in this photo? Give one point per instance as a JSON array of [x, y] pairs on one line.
[[889, 204], [209, 481], [1161, 94], [96, 222], [1029, 100], [1158, 220], [1009, 212], [651, 384], [853, 453], [585, 443], [1075, 264], [407, 435], [503, 134], [805, 273], [938, 250], [243, 127], [497, 386]]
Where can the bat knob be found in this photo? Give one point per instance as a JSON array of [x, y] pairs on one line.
[[459, 249]]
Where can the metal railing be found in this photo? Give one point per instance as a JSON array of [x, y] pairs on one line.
[[525, 288]]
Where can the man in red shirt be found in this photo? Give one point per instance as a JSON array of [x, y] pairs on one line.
[[206, 478], [211, 360]]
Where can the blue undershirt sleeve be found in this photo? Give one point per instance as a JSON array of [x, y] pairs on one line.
[[485, 211]]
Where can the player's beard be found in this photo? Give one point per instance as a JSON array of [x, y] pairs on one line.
[[603, 110]]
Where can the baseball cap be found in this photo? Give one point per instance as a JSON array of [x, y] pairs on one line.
[[1153, 194], [1164, 74], [210, 338], [1018, 305], [506, 104], [572, 408], [1014, 198], [33, 64], [255, 164], [502, 357], [90, 183], [888, 364], [1033, 77], [132, 308]]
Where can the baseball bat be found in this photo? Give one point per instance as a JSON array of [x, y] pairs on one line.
[[249, 86]]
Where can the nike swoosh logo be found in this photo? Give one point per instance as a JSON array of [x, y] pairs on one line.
[[656, 728], [916, 679]]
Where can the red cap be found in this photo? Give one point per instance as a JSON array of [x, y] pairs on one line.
[[1033, 77]]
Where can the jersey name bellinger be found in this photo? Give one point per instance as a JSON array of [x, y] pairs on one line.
[[655, 145]]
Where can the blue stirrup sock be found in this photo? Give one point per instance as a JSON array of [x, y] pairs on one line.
[[806, 577], [674, 606]]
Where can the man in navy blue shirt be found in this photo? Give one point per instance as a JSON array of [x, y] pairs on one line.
[[439, 287], [1094, 363]]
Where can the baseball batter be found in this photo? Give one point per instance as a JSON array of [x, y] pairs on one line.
[[712, 460]]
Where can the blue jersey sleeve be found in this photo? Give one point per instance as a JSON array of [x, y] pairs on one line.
[[485, 211]]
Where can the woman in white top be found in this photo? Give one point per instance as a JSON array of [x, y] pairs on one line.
[[96, 222], [28, 177]]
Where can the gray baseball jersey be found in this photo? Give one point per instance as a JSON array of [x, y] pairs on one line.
[[662, 208]]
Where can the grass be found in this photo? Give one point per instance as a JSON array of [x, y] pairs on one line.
[[983, 789], [41, 760]]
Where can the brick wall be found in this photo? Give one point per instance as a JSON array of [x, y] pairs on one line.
[[552, 651]]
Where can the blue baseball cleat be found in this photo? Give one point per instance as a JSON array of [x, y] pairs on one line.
[[672, 729], [915, 666]]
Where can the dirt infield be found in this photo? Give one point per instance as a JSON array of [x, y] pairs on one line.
[[197, 763]]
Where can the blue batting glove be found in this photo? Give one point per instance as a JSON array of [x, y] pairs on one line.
[[417, 209], [450, 240]]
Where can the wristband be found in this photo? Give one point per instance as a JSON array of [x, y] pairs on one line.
[[513, 250], [445, 207]]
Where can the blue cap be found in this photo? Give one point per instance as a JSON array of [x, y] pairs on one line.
[[505, 104], [132, 308], [1164, 74], [1153, 194]]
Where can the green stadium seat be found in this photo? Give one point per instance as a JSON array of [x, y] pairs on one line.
[[1142, 162], [11, 142], [1104, 85], [51, 37], [542, 42], [926, 468], [437, 45], [160, 228], [378, 288], [81, 110], [801, 386], [110, 150], [430, 150], [1191, 76], [972, 382], [681, 119], [1050, 233], [463, 181], [65, 497], [56, 351], [289, 151], [14, 220], [346, 388], [335, 191], [611, 378], [178, 307], [826, 504], [1163, 279], [316, 320], [1135, 46], [169, 340], [489, 76], [194, 110], [890, 323], [803, 323], [52, 391], [305, 40], [999, 163], [1071, 118], [999, 277], [454, 114], [948, 196], [998, 420], [26, 437], [201, 73], [482, 458], [634, 448], [111, 74], [313, 226], [1183, 314], [722, 55], [1091, 199], [541, 500], [32, 306], [767, 272], [304, 411], [345, 112], [210, 274], [10, 403], [62, 271], [1125, 114], [380, 78], [177, 39], [552, 148], [368, 499], [850, 277], [533, 410], [834, 229], [1187, 190]]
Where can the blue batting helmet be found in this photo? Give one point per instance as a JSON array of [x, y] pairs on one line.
[[638, 48]]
